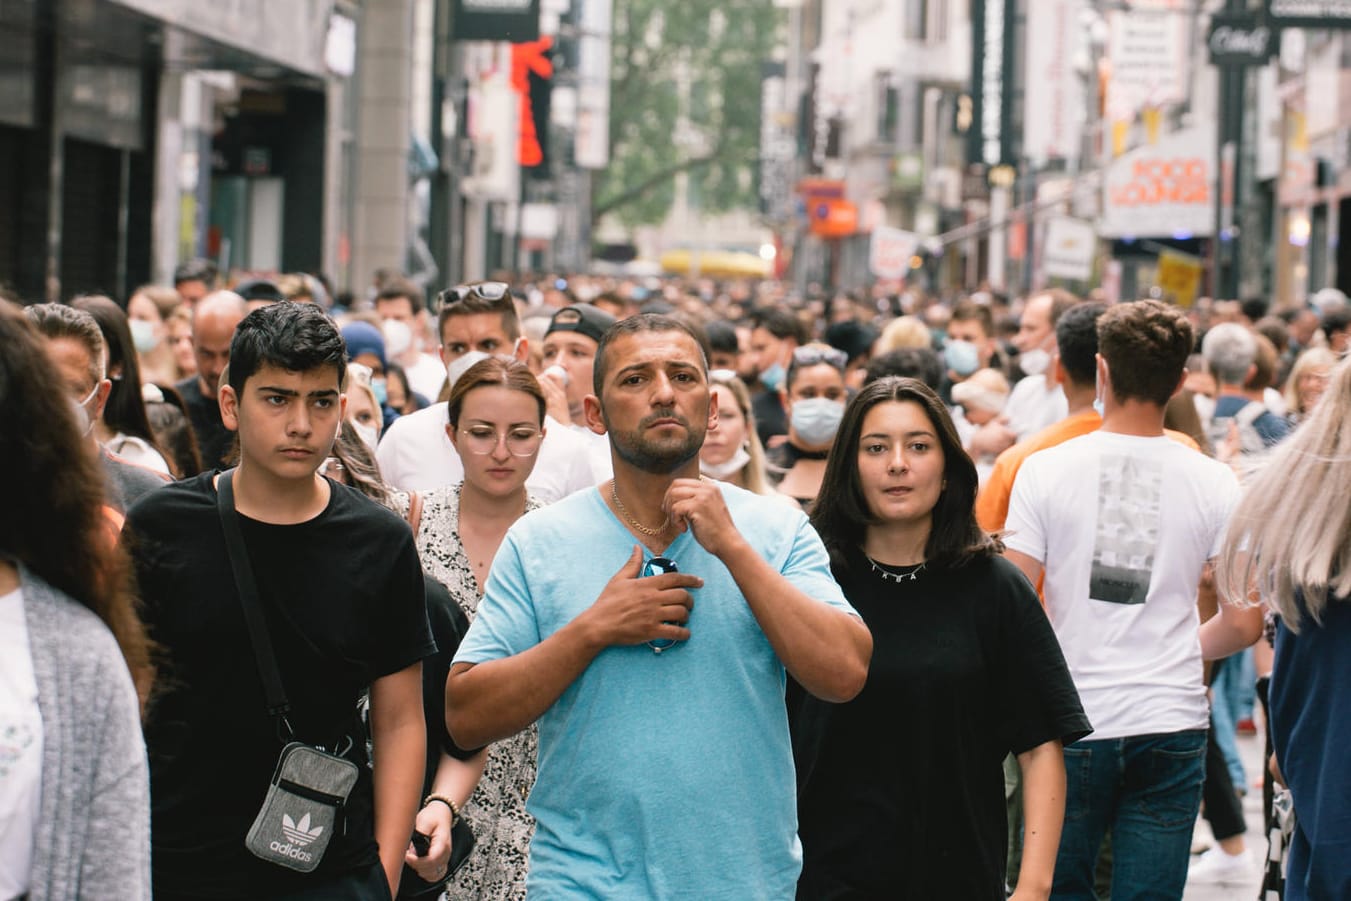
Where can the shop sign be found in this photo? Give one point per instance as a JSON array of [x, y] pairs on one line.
[[1309, 13], [890, 252], [1240, 39], [1163, 190]]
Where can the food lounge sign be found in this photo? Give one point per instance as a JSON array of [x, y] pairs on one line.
[[1163, 190]]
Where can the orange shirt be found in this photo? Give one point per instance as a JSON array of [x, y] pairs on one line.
[[992, 504]]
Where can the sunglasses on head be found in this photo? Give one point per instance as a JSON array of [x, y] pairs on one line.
[[498, 293], [811, 356]]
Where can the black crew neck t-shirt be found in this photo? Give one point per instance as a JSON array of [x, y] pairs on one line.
[[901, 790], [343, 598]]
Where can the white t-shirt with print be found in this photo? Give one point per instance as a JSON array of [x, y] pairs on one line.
[[1124, 526], [20, 749]]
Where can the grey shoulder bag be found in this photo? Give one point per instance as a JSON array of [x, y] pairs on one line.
[[310, 786]]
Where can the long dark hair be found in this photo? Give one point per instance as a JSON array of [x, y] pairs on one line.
[[841, 515], [125, 410], [54, 521]]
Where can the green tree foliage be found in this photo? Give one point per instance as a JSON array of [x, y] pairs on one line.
[[710, 51]]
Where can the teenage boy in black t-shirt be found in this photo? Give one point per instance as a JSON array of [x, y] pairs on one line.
[[341, 589]]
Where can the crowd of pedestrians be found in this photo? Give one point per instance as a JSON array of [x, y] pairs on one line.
[[609, 588]]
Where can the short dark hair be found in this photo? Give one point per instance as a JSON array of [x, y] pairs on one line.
[[1076, 338], [1336, 320], [841, 515], [1254, 308], [922, 363], [1146, 344], [643, 322], [779, 322], [196, 270], [297, 337], [970, 311], [722, 337], [400, 287], [470, 303]]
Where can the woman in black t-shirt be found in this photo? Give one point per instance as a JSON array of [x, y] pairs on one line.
[[901, 790]]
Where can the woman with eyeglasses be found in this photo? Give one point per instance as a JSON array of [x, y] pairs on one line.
[[901, 790], [495, 416], [813, 396]]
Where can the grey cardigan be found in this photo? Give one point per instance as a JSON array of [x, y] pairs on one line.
[[93, 835]]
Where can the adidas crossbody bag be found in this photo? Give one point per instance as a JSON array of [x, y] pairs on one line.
[[310, 786]]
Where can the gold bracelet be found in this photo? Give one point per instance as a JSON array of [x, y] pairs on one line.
[[454, 810]]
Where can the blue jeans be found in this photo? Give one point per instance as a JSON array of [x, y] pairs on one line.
[[1233, 690], [1144, 790]]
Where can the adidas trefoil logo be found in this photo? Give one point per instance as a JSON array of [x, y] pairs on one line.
[[299, 834]]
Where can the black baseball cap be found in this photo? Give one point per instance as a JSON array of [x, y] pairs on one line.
[[582, 318]]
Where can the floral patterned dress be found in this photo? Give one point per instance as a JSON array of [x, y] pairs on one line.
[[502, 829]]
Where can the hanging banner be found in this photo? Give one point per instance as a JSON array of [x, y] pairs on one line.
[[1068, 249], [516, 21], [890, 252], [1165, 190], [1147, 50], [1053, 112]]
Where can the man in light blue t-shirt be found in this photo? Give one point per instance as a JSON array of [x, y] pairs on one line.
[[665, 769]]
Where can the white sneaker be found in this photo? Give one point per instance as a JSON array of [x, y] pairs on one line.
[[1217, 867]]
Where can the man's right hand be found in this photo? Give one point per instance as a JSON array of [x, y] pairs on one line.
[[634, 608]]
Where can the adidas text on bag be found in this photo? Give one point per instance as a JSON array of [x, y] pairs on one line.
[[302, 807]]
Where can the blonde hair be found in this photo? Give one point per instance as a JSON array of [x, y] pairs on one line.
[[753, 473], [1313, 358], [1290, 534], [903, 332]]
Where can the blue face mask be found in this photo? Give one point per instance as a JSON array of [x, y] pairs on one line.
[[816, 420], [961, 357], [1098, 406], [381, 392], [772, 378]]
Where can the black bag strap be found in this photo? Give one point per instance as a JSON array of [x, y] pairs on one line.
[[273, 691]]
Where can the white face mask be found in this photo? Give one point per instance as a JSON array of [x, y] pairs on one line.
[[461, 364], [369, 436], [143, 335], [398, 337], [83, 421], [1035, 361], [729, 467]]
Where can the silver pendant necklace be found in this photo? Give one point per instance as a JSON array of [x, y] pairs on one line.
[[910, 575]]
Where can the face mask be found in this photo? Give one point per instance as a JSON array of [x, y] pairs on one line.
[[1035, 362], [728, 467], [1098, 406], [398, 337], [817, 419], [369, 436], [81, 408], [772, 377], [381, 391], [961, 357], [461, 364], [143, 336]]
